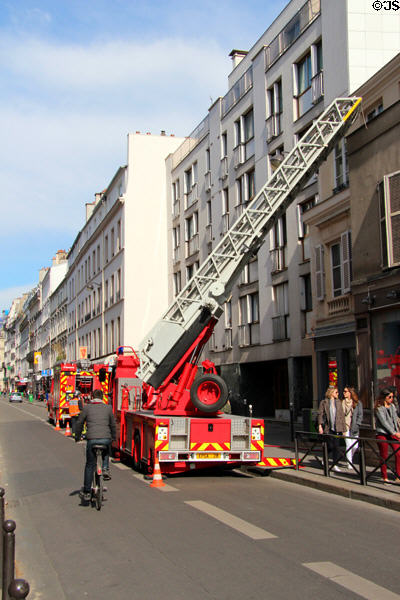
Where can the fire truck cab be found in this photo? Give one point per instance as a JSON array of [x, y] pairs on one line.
[[69, 378]]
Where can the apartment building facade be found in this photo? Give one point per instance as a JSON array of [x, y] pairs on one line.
[[116, 285], [264, 344], [374, 170]]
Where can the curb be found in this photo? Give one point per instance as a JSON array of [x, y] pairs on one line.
[[353, 493]]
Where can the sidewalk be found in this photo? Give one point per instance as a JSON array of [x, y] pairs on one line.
[[346, 483]]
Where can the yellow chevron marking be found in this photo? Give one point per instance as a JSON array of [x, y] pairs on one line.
[[272, 462]]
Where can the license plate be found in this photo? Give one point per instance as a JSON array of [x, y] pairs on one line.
[[209, 456]]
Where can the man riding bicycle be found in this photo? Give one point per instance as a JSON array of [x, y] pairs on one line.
[[100, 429]]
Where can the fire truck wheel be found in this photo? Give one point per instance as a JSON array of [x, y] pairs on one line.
[[137, 455], [209, 393]]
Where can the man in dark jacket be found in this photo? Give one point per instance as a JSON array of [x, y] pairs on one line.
[[100, 429]]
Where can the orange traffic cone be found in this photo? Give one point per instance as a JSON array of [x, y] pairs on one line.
[[157, 477], [67, 431], [58, 425]]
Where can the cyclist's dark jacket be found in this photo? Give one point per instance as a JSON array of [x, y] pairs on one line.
[[100, 422]]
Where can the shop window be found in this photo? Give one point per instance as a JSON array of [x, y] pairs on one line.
[[386, 349]]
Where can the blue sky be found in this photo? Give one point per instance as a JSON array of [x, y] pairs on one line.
[[75, 77]]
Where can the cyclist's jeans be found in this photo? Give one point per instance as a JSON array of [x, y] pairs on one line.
[[91, 461]]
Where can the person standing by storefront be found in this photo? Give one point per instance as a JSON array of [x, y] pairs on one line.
[[331, 421], [387, 428], [353, 414]]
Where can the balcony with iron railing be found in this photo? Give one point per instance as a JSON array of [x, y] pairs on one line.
[[280, 328], [292, 31], [304, 102], [176, 255], [224, 167], [273, 124], [249, 334], [207, 181], [237, 91], [192, 245], [191, 196], [225, 223], [278, 259], [176, 208], [317, 87], [191, 142], [239, 208], [238, 155], [228, 337]]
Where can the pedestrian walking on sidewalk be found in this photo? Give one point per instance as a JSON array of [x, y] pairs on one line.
[[387, 428], [353, 414], [331, 420]]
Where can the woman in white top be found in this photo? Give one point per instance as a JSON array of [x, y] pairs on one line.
[[353, 414]]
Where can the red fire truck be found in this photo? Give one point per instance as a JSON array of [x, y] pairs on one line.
[[71, 377], [166, 406]]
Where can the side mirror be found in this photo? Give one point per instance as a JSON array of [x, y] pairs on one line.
[[102, 375]]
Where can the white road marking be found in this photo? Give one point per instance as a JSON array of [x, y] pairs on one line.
[[358, 585], [30, 414], [256, 533], [165, 488]]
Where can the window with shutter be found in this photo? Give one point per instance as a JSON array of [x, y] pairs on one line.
[[346, 262], [392, 201], [319, 272]]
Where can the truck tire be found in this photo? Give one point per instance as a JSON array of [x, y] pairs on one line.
[[209, 393], [137, 454]]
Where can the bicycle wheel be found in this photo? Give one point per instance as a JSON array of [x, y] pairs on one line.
[[99, 481]]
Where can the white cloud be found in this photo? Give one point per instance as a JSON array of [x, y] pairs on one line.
[[66, 112], [102, 66]]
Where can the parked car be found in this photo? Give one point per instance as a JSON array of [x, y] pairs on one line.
[[15, 397]]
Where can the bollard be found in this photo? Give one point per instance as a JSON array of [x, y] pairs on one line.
[[8, 556], [325, 458], [296, 451], [2, 492], [19, 588], [363, 471]]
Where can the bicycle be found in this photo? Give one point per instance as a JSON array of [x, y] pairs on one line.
[[97, 482]]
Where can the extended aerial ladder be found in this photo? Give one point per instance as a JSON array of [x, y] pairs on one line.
[[170, 353]]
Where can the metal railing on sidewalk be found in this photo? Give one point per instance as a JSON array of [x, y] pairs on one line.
[[12, 589], [318, 448]]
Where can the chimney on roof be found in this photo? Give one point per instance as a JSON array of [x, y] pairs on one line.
[[60, 257], [237, 56]]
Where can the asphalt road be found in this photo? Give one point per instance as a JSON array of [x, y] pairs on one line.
[[204, 536]]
